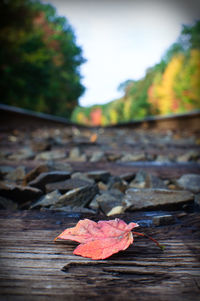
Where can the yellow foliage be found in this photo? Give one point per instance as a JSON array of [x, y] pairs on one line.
[[81, 118], [167, 101], [178, 89], [194, 62], [127, 109], [113, 116]]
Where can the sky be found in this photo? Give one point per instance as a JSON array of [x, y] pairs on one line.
[[120, 39]]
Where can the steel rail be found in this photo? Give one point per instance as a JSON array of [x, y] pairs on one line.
[[12, 117]]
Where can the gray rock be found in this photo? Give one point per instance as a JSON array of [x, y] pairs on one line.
[[133, 157], [7, 204], [47, 167], [116, 210], [190, 182], [80, 197], [113, 157], [163, 159], [97, 156], [13, 138], [4, 170], [139, 199], [82, 176], [47, 200], [73, 209], [49, 177], [40, 145], [51, 155], [102, 186], [110, 200], [56, 141], [64, 186], [19, 193], [35, 172], [139, 181], [117, 183], [144, 179], [94, 204], [150, 157], [191, 155], [99, 175], [162, 220], [75, 155], [153, 181], [127, 176], [17, 174], [23, 154], [82, 158], [60, 166]]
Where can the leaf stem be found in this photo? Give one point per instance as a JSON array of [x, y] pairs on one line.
[[151, 238]]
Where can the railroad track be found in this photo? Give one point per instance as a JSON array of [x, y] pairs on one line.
[[12, 117], [54, 173]]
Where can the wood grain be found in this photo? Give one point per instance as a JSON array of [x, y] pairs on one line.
[[34, 267]]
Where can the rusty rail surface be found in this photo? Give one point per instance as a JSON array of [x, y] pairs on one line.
[[170, 122], [11, 117]]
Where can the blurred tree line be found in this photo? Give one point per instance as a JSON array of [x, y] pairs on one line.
[[171, 86], [39, 58]]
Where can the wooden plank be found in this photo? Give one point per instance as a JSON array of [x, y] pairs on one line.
[[33, 266]]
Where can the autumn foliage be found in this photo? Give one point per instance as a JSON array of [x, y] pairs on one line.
[[96, 116], [102, 239], [172, 86]]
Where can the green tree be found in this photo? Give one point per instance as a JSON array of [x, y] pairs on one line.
[[39, 58], [187, 82], [190, 36]]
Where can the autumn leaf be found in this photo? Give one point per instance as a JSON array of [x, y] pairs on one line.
[[102, 239], [93, 138]]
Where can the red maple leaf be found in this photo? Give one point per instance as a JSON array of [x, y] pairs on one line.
[[102, 239]]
